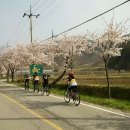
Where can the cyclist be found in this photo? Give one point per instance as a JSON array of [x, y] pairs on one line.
[[26, 81], [72, 83], [36, 81], [45, 81]]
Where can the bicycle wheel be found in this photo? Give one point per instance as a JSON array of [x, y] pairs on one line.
[[66, 97], [37, 88], [25, 85], [47, 91], [76, 99], [42, 91]]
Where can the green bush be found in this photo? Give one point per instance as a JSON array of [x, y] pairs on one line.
[[98, 91]]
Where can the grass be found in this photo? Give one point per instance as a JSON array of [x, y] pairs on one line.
[[113, 103]]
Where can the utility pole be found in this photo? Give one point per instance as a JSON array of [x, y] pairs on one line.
[[52, 35], [72, 57], [30, 17]]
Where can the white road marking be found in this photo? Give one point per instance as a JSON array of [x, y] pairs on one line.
[[94, 107]]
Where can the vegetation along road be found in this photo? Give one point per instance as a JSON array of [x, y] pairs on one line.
[[26, 110]]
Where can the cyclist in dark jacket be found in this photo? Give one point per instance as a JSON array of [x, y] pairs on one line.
[[45, 81], [26, 81]]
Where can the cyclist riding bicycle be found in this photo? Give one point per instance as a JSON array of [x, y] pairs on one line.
[[72, 83], [72, 91], [26, 81], [45, 81], [36, 81]]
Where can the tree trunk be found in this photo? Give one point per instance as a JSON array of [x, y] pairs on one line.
[[21, 74], [12, 75], [107, 78], [7, 75], [61, 76], [58, 79]]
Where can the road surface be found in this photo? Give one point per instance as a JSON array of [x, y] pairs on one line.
[[26, 110]]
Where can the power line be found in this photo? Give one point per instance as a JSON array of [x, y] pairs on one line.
[[88, 20], [33, 6], [44, 9], [35, 3], [15, 31], [51, 11], [58, 5], [42, 4], [23, 33], [48, 6]]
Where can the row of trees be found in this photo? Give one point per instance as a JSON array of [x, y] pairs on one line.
[[121, 62], [105, 45]]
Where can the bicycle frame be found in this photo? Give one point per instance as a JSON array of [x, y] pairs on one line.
[[72, 95]]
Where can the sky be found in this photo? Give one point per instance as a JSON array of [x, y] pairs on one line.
[[56, 15]]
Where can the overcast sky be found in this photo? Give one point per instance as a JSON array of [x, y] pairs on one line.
[[58, 15]]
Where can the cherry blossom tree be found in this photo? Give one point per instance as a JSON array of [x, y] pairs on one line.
[[22, 55], [2, 68], [66, 47], [36, 54], [107, 44], [10, 62], [42, 53]]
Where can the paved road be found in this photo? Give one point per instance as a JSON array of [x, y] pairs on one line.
[[26, 110]]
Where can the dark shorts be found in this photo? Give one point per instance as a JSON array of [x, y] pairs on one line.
[[45, 85], [73, 88]]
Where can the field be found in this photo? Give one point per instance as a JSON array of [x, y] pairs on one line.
[[95, 76]]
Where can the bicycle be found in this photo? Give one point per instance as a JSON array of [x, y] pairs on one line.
[[26, 84], [72, 95], [46, 90], [36, 86]]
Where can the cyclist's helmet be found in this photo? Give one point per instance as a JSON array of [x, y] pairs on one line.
[[70, 74]]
